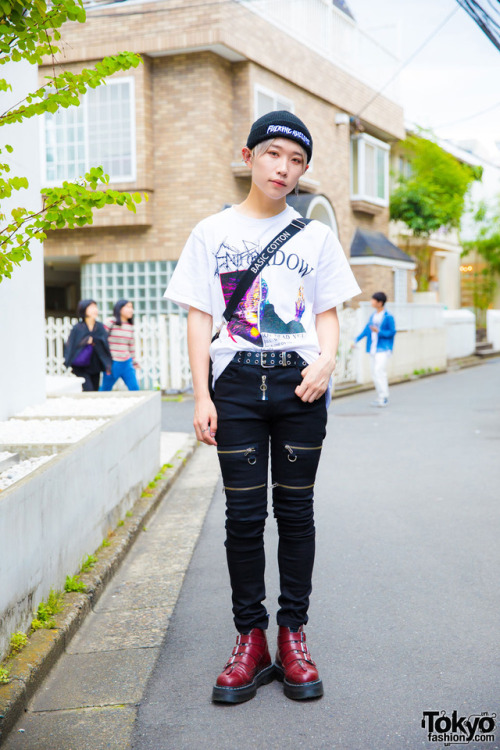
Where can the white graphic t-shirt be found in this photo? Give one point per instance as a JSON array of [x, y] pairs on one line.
[[308, 275]]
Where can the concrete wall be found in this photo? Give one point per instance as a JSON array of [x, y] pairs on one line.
[[60, 513], [22, 340], [493, 328], [460, 333], [419, 349]]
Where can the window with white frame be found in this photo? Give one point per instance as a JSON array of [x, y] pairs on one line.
[[268, 101], [369, 169], [100, 132], [400, 286]]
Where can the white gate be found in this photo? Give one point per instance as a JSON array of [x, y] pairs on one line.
[[56, 333], [161, 349], [345, 369]]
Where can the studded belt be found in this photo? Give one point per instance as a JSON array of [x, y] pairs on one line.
[[270, 359]]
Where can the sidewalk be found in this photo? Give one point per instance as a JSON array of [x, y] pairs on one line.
[[403, 611], [89, 700]]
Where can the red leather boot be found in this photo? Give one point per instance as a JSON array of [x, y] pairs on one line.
[[248, 667], [294, 666]]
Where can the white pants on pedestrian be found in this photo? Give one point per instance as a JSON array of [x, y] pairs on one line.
[[378, 365]]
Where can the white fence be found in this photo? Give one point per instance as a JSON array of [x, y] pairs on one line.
[[161, 347], [345, 369]]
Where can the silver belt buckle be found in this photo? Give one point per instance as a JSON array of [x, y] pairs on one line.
[[265, 354]]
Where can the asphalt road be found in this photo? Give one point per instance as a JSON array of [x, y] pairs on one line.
[[405, 607], [177, 414]]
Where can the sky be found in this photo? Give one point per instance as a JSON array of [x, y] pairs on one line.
[[456, 75]]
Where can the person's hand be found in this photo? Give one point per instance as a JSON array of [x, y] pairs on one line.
[[90, 340], [374, 329], [315, 379], [108, 372], [205, 420]]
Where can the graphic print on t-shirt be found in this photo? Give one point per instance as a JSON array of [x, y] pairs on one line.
[[255, 319]]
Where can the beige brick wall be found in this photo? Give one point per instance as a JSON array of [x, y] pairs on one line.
[[371, 279], [172, 25], [193, 112]]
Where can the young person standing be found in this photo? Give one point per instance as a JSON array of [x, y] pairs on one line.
[[272, 368], [120, 330], [379, 332], [86, 350]]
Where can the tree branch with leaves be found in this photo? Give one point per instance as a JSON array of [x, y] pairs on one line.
[[30, 31], [431, 198], [485, 245]]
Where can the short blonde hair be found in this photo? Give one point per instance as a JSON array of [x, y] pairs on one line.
[[263, 146]]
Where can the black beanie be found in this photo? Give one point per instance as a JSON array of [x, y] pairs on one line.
[[280, 124]]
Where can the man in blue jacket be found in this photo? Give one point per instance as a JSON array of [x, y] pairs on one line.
[[379, 331]]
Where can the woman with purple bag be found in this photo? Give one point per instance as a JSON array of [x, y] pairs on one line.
[[87, 349]]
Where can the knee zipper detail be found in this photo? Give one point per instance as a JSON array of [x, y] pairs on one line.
[[244, 489], [291, 450], [292, 487], [248, 453]]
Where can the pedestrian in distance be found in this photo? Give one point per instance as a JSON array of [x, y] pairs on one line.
[[87, 351], [120, 329], [379, 333], [270, 282]]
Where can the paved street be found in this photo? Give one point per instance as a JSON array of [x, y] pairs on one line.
[[405, 612], [405, 609], [177, 414]]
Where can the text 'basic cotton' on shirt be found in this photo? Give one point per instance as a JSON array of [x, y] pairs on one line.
[[308, 275]]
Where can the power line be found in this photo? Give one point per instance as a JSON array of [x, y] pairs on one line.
[[484, 20], [469, 117], [406, 62]]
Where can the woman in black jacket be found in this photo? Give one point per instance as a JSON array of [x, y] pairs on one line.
[[87, 350]]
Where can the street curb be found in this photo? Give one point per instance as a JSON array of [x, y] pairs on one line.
[[30, 667], [452, 366]]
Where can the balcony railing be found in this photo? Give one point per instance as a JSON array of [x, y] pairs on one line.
[[324, 28]]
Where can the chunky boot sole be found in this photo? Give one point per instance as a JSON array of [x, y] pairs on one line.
[[245, 692], [297, 692]]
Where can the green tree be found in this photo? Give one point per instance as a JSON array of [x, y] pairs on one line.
[[433, 196], [486, 245], [29, 30]]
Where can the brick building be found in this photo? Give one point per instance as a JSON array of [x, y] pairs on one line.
[[174, 127]]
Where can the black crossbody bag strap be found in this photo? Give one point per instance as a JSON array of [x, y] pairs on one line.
[[246, 281]]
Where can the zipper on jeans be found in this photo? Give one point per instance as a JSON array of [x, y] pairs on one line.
[[291, 487], [245, 489], [263, 388], [292, 457], [248, 453]]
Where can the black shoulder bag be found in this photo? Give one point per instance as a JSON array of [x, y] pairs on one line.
[[251, 274]]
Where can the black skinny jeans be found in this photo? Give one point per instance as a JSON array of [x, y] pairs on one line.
[[295, 431], [91, 378]]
